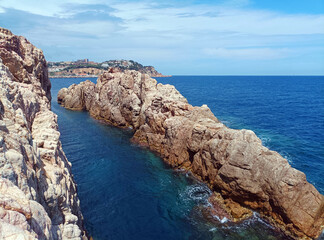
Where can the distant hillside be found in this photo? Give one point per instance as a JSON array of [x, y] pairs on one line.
[[86, 68]]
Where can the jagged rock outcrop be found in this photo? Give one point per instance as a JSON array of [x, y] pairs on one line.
[[245, 174], [38, 197]]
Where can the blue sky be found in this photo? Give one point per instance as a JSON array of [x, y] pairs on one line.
[[225, 37]]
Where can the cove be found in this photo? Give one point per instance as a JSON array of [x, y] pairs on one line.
[[127, 192]]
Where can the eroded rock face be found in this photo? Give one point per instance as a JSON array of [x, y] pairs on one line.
[[245, 174], [38, 197]]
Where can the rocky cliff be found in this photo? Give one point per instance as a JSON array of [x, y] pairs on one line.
[[243, 174], [38, 197]]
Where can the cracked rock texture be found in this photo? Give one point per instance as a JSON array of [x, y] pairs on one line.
[[246, 175], [38, 197]]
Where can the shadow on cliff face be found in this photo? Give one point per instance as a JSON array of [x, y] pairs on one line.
[[1, 110]]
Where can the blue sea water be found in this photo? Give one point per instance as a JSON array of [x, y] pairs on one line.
[[127, 192]]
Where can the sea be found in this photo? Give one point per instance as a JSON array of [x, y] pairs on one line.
[[128, 193]]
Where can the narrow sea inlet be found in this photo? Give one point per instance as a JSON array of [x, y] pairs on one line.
[[127, 192]]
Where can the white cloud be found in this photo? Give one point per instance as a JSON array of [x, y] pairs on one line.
[[195, 19], [91, 28], [248, 53], [145, 16], [49, 8], [154, 30]]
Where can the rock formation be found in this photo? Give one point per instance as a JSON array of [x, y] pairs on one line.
[[244, 174], [151, 71], [38, 197]]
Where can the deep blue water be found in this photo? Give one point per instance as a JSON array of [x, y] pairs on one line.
[[286, 112], [127, 192]]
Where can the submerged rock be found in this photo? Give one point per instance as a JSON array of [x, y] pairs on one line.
[[38, 197], [247, 175]]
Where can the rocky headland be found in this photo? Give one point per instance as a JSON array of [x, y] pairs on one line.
[[86, 68], [244, 175], [38, 197]]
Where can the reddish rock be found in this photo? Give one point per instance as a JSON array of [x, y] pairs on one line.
[[232, 162]]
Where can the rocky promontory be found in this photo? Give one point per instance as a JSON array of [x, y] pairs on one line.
[[243, 173], [38, 197], [86, 68]]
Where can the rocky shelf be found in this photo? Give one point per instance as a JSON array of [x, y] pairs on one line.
[[245, 175]]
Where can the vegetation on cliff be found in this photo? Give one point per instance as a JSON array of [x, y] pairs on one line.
[[86, 68]]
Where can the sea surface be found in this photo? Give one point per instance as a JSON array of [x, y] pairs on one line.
[[127, 192]]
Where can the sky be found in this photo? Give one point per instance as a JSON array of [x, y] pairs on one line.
[[206, 37]]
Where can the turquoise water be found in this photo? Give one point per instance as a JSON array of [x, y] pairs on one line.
[[127, 192]]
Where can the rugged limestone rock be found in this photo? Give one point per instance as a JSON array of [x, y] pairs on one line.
[[245, 174], [38, 198]]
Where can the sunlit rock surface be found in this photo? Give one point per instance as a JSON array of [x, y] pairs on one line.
[[244, 174], [38, 197]]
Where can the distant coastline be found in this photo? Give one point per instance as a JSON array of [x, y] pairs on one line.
[[84, 68], [94, 76]]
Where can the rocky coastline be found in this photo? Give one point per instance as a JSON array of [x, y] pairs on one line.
[[38, 196], [85, 68], [244, 175]]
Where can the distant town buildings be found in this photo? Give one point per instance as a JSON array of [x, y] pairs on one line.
[[86, 68]]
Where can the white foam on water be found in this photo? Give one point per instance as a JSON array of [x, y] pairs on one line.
[[265, 140], [286, 156], [198, 193], [223, 220], [256, 218], [247, 223]]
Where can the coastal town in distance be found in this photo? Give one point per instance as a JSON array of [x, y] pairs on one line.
[[85, 68]]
